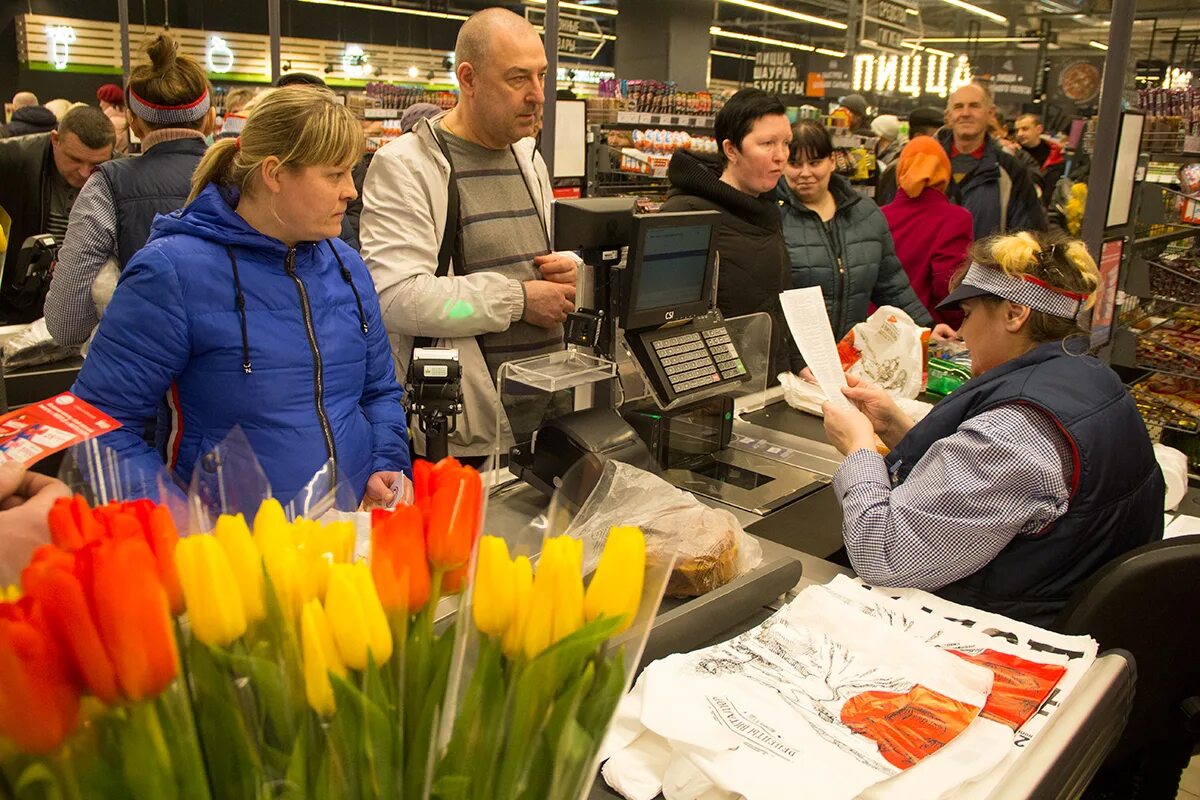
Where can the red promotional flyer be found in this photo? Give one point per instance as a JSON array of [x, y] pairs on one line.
[[29, 434]]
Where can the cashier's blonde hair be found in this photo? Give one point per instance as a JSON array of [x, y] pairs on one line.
[[1056, 260], [300, 125]]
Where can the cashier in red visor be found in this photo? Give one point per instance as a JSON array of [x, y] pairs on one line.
[[1029, 477]]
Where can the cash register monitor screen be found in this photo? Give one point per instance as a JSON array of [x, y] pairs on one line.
[[669, 268]]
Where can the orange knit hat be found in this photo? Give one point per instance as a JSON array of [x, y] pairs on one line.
[[923, 164]]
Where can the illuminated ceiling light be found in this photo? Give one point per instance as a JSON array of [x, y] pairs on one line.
[[974, 9], [728, 54], [912, 11], [608, 37], [219, 56], [785, 12], [1097, 45], [612, 12], [415, 12], [745, 37], [413, 72], [978, 39], [60, 38], [933, 50], [835, 53], [354, 61]]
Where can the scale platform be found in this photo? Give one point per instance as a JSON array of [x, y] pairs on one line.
[[746, 480]]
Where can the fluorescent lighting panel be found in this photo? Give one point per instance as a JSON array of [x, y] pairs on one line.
[[912, 11], [1097, 45], [415, 12], [787, 12], [933, 50], [746, 37], [836, 53], [980, 39], [974, 9], [728, 54], [612, 12]]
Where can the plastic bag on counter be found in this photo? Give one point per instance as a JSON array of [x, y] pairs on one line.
[[710, 545], [34, 345], [805, 396], [887, 350]]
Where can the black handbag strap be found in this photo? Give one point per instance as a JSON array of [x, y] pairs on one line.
[[451, 247]]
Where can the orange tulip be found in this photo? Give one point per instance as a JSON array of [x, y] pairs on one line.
[[398, 562], [72, 523], [39, 702], [454, 516], [133, 616], [422, 478], [57, 580], [158, 527]]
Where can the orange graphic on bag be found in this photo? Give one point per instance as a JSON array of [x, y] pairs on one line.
[[1019, 688], [910, 726]]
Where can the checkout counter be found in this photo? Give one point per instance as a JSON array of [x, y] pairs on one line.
[[705, 424]]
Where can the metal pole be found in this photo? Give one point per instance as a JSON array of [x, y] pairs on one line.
[[551, 32], [123, 16], [273, 26], [1104, 154]]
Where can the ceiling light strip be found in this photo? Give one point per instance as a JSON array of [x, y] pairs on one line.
[[746, 37], [1097, 45], [974, 39], [612, 12], [787, 12], [727, 54], [415, 12], [974, 9]]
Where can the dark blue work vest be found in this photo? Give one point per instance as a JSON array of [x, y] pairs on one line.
[[1116, 492]]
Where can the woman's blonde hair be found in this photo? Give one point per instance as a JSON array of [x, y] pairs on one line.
[[170, 78], [300, 125], [1056, 260]]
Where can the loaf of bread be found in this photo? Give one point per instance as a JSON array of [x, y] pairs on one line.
[[698, 574]]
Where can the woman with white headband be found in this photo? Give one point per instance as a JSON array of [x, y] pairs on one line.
[[169, 107], [1024, 481]]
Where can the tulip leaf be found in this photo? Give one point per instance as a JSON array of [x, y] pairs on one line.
[[478, 734], [295, 779], [573, 752], [598, 707], [268, 693], [452, 787], [417, 778], [563, 710], [346, 729], [229, 751], [179, 732], [37, 782], [378, 737], [144, 757]]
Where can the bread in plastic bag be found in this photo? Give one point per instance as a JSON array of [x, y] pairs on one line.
[[711, 547], [34, 345]]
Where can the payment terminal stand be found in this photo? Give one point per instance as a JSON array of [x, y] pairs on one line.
[[656, 316]]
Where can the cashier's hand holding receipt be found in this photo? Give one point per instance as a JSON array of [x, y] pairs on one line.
[[851, 428]]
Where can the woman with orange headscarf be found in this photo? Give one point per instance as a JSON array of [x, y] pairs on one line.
[[931, 234]]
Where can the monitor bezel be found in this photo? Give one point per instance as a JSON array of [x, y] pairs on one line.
[[658, 316]]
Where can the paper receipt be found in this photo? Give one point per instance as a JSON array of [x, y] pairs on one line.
[[808, 321]]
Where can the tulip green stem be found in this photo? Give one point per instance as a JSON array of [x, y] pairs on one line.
[[64, 766]]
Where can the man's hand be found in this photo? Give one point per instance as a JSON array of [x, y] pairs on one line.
[[25, 501], [848, 429], [547, 303], [379, 491], [557, 268]]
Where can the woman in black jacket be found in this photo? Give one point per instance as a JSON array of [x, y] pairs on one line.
[[752, 133], [837, 239]]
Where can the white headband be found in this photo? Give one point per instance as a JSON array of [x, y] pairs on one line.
[[1026, 290]]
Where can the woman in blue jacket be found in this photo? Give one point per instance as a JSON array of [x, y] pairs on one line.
[[244, 308], [837, 239]]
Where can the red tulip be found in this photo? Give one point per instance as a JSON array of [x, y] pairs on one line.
[[158, 527], [39, 701], [454, 517], [398, 562], [422, 476], [72, 523], [60, 582]]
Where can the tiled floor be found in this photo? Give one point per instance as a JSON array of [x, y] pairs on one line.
[[1189, 787]]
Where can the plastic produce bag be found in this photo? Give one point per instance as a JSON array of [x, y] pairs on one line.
[[711, 547], [34, 345], [886, 350]]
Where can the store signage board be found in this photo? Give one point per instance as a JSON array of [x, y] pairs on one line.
[[1129, 143], [910, 75], [886, 24], [578, 36], [834, 79], [1010, 77], [1111, 254], [779, 72]]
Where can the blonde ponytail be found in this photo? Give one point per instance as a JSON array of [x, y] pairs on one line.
[[299, 125]]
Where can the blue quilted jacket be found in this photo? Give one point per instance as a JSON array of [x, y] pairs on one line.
[[234, 328]]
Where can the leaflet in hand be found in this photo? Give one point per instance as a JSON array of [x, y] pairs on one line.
[[29, 434], [808, 321]]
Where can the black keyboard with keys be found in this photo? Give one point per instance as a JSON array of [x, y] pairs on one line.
[[688, 357]]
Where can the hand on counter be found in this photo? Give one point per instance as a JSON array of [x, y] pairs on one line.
[[547, 303], [557, 268], [885, 416]]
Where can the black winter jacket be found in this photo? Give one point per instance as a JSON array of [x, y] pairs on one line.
[[26, 163], [753, 260], [868, 272], [31, 119]]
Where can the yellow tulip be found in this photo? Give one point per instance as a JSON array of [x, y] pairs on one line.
[[11, 594], [355, 616], [246, 561], [492, 602], [616, 587], [556, 604], [320, 658], [281, 562], [214, 603], [514, 635], [270, 519]]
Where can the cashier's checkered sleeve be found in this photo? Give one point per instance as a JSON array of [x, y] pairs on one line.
[[1004, 473]]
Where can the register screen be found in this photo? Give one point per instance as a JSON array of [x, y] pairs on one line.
[[673, 264]]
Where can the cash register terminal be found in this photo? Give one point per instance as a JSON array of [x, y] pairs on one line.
[[667, 307]]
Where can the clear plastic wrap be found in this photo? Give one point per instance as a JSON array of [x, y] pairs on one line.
[[34, 345], [709, 545]]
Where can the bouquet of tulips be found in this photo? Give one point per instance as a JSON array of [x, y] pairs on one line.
[[92, 698]]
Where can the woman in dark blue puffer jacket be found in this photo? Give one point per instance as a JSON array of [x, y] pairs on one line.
[[244, 308], [837, 239]]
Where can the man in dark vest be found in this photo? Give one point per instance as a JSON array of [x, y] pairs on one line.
[[42, 177], [170, 111], [1028, 478]]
